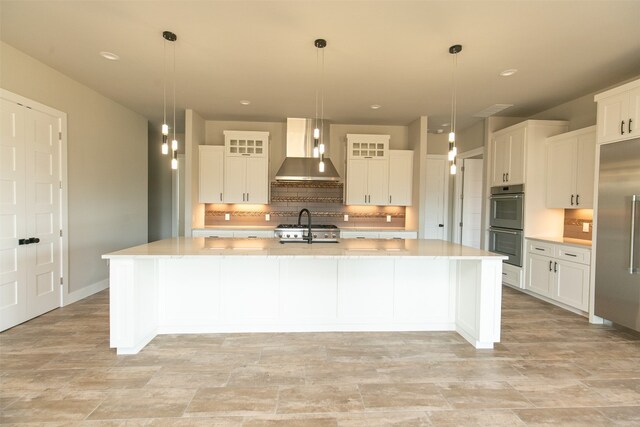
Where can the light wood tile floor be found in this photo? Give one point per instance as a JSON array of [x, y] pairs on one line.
[[552, 368]]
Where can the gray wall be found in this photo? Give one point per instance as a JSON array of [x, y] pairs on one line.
[[107, 164]]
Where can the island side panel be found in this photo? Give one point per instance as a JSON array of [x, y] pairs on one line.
[[133, 303], [308, 291], [424, 293], [478, 305], [190, 294]]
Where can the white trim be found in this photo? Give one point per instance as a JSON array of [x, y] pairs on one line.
[[63, 177], [457, 192], [84, 292], [447, 193]]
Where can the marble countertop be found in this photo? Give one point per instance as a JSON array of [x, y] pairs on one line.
[[563, 240], [237, 227], [345, 248]]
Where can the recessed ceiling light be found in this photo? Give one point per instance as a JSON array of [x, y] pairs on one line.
[[375, 106], [509, 72], [109, 55], [245, 102]]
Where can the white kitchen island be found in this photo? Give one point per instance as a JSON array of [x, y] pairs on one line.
[[214, 285]]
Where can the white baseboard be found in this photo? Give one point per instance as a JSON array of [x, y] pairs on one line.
[[82, 293]]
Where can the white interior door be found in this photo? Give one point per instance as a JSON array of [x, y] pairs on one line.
[[13, 226], [471, 228], [31, 271], [43, 212], [436, 199]]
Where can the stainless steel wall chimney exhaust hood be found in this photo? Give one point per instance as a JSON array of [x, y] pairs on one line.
[[299, 163]]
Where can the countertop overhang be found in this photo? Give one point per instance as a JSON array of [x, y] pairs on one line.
[[345, 248]]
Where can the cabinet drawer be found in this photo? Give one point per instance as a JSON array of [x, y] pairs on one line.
[[570, 253], [512, 275], [541, 248]]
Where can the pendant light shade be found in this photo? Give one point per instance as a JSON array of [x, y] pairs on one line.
[[453, 151], [168, 36]]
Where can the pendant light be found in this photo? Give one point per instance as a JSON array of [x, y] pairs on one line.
[[168, 36], [318, 137], [453, 151]]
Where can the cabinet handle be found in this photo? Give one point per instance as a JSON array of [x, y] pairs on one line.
[[507, 176], [572, 200], [555, 267], [550, 264], [630, 125], [247, 197], [365, 198], [622, 127], [389, 198], [577, 199], [539, 249], [220, 196], [573, 255], [503, 175]]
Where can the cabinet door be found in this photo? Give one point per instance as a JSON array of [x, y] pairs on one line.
[[585, 170], [633, 126], [257, 180], [234, 179], [400, 177], [561, 173], [501, 155], [540, 274], [516, 166], [610, 116], [356, 182], [211, 173], [572, 284], [378, 182]]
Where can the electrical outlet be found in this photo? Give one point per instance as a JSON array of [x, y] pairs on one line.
[[267, 217], [388, 218], [346, 218], [585, 227], [227, 217]]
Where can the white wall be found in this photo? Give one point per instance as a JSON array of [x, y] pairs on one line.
[[107, 165]]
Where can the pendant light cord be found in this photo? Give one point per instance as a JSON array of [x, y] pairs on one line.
[[164, 77], [454, 93], [317, 85], [322, 101], [174, 92]]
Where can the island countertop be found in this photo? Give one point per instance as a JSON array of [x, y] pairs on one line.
[[345, 248]]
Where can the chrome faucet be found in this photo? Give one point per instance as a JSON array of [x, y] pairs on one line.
[[309, 237]]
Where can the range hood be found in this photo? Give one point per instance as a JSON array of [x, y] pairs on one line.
[[299, 163]]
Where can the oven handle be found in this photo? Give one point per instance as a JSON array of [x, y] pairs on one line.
[[506, 196], [493, 230]]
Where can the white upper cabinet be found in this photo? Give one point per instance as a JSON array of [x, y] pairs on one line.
[[400, 177], [367, 169], [619, 113], [375, 174], [508, 157], [246, 167], [571, 168], [211, 173]]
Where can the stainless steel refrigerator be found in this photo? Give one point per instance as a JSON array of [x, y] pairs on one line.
[[617, 284]]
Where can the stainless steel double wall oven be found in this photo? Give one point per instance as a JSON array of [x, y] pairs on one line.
[[507, 222]]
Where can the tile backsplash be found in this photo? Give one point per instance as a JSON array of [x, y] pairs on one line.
[[324, 200], [574, 220]]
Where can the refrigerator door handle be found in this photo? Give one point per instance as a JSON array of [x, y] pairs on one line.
[[633, 269]]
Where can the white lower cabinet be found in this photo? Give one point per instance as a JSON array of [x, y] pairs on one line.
[[222, 233], [378, 234], [559, 272], [512, 275]]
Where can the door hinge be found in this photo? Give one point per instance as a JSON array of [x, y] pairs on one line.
[[60, 233], [60, 136], [61, 281], [61, 185], [460, 224]]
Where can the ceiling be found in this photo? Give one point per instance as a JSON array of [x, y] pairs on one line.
[[391, 53]]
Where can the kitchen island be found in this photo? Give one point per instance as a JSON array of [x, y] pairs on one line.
[[214, 285]]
